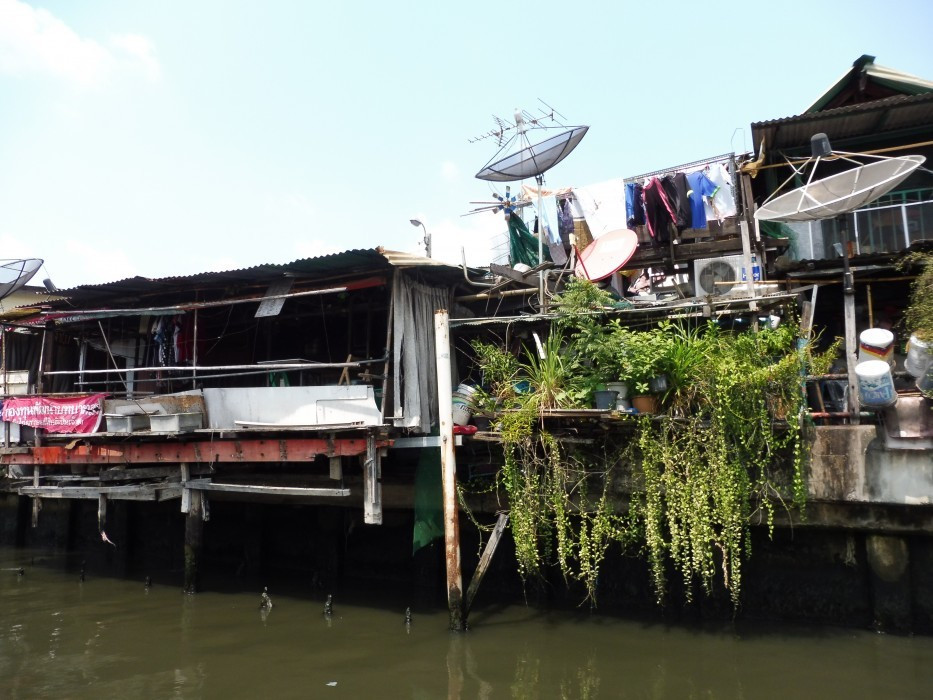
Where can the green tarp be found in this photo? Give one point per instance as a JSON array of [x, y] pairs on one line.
[[523, 244]]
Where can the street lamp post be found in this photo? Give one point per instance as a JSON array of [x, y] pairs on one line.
[[427, 236]]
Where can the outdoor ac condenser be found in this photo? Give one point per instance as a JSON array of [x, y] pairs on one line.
[[708, 271]]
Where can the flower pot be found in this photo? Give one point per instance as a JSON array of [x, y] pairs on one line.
[[646, 403], [620, 387], [605, 400], [659, 384]]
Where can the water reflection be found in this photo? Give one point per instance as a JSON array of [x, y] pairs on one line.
[[60, 637]]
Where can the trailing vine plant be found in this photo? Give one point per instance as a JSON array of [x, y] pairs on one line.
[[703, 472]]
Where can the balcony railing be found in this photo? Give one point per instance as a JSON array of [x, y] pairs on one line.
[[889, 226]]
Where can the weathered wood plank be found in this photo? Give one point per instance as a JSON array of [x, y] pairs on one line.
[[207, 485]]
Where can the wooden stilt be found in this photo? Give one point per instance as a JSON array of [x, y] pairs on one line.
[[194, 535], [449, 470], [484, 561]]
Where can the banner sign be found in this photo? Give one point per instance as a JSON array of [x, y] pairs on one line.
[[73, 415]]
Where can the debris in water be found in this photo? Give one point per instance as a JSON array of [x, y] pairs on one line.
[[104, 538], [332, 684], [265, 602], [328, 605], [148, 582]]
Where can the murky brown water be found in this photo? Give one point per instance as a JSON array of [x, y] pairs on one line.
[[111, 638]]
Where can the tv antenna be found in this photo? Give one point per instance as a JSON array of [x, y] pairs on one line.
[[521, 156]]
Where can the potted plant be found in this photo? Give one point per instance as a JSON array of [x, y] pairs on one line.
[[639, 356]]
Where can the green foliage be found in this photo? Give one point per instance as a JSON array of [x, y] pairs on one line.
[[918, 317], [726, 452]]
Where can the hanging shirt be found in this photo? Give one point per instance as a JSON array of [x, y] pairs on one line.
[[722, 203], [701, 187], [675, 187], [659, 213]]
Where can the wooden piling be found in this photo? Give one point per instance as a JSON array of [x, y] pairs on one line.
[[448, 470], [194, 535], [484, 561]]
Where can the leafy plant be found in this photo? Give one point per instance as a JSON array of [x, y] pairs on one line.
[[918, 316]]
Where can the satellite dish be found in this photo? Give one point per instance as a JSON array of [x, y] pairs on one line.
[[840, 193], [16, 273], [533, 160], [606, 255]]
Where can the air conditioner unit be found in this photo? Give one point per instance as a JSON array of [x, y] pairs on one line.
[[708, 271]]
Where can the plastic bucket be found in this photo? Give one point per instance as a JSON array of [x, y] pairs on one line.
[[875, 384], [605, 400], [919, 357], [876, 344], [621, 388], [462, 413], [925, 383], [623, 404]]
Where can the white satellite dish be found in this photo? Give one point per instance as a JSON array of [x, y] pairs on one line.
[[840, 193], [16, 273], [534, 160]]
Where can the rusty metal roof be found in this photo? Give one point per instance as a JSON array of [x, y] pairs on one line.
[[876, 118], [335, 266]]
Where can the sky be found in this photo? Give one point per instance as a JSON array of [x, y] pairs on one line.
[[170, 138]]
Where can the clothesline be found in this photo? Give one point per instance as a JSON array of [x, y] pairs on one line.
[[681, 168]]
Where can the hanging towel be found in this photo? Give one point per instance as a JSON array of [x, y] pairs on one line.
[[603, 206]]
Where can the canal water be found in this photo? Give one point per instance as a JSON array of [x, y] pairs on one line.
[[61, 637]]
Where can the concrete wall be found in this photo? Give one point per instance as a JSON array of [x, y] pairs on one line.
[[851, 463]]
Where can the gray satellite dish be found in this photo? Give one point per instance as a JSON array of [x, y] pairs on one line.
[[840, 193], [16, 273], [534, 160]]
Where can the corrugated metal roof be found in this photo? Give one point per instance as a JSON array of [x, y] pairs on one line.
[[887, 115], [335, 265], [361, 259]]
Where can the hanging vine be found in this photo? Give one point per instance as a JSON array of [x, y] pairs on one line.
[[703, 471]]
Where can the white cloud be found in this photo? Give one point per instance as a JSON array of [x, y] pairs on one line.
[[81, 263], [140, 49], [478, 235], [449, 171], [34, 41]]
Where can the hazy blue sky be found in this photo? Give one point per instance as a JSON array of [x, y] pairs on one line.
[[167, 138]]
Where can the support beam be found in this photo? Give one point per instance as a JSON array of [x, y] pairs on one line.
[[194, 538], [196, 451], [448, 470], [336, 469], [207, 485], [372, 483], [484, 561], [131, 492]]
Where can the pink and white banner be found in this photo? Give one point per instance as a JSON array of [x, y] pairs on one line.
[[73, 415]]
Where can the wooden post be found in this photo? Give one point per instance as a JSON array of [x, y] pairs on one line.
[[5, 387], [194, 535], [372, 483], [484, 560], [192, 502], [448, 470], [848, 307]]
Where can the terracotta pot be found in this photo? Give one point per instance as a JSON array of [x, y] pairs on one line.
[[645, 403]]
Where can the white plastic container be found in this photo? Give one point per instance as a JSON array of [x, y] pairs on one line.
[[875, 384], [876, 344], [621, 388], [461, 412], [919, 357]]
